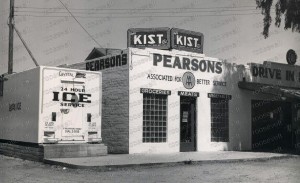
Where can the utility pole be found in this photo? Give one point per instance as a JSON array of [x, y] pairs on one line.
[[11, 37]]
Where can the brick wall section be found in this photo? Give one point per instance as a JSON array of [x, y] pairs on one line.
[[115, 107]]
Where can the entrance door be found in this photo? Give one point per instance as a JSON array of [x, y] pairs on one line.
[[187, 124]]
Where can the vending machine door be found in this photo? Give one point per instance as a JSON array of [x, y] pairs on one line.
[[72, 118], [70, 108]]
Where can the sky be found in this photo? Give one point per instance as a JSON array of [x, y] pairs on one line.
[[232, 29]]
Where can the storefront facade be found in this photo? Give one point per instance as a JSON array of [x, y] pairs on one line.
[[197, 103], [163, 95], [163, 101]]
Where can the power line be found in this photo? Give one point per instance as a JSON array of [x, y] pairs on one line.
[[80, 24], [165, 12], [122, 9], [168, 16], [26, 47]]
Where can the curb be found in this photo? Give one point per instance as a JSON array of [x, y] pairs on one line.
[[163, 164]]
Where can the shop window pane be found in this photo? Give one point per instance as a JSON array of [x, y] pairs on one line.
[[154, 119], [219, 120]]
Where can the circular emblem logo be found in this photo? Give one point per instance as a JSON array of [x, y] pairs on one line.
[[291, 57], [188, 80]]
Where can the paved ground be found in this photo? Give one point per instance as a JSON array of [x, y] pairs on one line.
[[121, 160], [275, 170]]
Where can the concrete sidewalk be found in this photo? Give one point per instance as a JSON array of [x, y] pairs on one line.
[[113, 161]]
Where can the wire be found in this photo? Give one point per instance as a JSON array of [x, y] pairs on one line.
[[122, 9], [80, 24], [26, 47], [168, 16], [129, 12]]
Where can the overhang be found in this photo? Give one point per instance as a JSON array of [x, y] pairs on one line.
[[288, 92]]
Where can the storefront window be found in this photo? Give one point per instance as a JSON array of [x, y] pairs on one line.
[[219, 120], [154, 118]]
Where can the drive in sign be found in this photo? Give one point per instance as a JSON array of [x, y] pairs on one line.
[[186, 40], [155, 37]]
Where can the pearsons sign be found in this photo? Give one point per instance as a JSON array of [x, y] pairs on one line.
[[190, 65], [107, 62], [165, 38], [187, 63]]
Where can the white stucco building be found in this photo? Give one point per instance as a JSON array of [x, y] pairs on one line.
[[163, 101]]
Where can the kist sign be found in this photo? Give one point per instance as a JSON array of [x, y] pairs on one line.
[[186, 40], [155, 37], [165, 39]]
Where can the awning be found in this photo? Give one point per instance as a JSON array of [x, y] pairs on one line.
[[271, 89]]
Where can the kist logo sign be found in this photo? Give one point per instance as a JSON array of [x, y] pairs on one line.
[[165, 39], [187, 40], [151, 39], [155, 37]]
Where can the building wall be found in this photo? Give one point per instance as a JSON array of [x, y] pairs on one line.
[[239, 105], [115, 105], [123, 102], [115, 128], [19, 107]]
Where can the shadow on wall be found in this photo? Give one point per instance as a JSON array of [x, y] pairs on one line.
[[239, 111]]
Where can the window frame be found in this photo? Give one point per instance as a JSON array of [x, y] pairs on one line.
[[156, 119], [222, 111]]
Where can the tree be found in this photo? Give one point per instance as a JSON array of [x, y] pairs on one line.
[[290, 9]]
